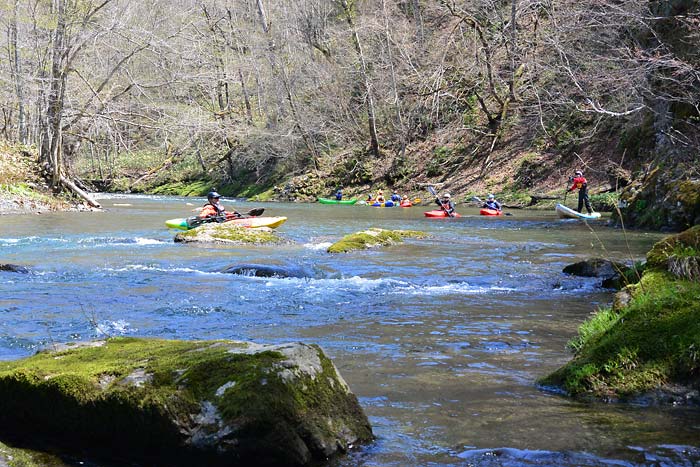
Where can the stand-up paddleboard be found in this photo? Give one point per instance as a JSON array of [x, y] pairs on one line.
[[568, 213]]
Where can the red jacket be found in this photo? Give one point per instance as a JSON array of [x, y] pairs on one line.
[[579, 182]]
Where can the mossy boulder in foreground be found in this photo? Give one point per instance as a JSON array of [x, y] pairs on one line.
[[214, 403], [228, 233], [647, 347], [372, 237]]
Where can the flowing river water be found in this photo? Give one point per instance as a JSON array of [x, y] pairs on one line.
[[441, 339]]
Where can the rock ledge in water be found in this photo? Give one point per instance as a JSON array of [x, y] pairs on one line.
[[163, 402], [372, 237], [230, 234]]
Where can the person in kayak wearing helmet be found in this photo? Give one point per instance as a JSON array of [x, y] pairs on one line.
[[214, 210], [380, 197], [579, 182], [339, 195], [446, 204], [491, 203], [395, 197]]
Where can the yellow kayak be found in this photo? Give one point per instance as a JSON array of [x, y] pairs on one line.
[[250, 222]]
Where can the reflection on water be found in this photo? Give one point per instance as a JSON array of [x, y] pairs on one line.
[[441, 339]]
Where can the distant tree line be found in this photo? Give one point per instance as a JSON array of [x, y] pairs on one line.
[[258, 84]]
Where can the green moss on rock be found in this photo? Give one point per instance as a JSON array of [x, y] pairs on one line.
[[230, 234], [683, 244], [184, 402], [647, 343], [373, 237]]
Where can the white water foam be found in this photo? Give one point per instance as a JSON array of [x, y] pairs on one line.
[[317, 246]]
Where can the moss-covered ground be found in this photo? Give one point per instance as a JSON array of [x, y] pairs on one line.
[[649, 344]]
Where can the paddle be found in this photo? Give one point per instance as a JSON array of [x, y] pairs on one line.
[[437, 198], [478, 200], [197, 221]]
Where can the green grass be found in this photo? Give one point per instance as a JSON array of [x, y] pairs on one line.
[[655, 340]]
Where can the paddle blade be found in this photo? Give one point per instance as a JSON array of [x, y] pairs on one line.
[[432, 190], [256, 212]]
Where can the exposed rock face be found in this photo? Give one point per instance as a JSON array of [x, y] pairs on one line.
[[182, 403], [228, 233], [372, 237], [665, 200]]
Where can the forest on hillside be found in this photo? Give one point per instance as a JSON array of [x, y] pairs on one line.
[[255, 91]]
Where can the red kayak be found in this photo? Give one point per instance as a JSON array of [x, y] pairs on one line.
[[439, 213], [406, 204], [490, 212]]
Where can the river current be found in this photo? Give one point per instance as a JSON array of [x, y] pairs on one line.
[[442, 339]]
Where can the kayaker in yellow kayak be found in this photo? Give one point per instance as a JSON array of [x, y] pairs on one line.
[[215, 210]]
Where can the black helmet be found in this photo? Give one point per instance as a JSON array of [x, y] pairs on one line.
[[213, 194]]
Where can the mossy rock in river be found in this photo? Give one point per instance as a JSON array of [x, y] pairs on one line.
[[643, 351], [229, 233], [161, 402], [372, 237]]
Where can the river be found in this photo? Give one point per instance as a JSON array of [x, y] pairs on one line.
[[441, 339]]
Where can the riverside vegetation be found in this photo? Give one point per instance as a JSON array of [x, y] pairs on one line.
[[646, 347], [291, 100]]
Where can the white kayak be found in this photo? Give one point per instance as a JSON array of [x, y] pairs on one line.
[[568, 213]]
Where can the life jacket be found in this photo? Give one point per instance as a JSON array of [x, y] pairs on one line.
[[211, 210], [578, 183]]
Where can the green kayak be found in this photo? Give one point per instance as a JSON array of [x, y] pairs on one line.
[[335, 201]]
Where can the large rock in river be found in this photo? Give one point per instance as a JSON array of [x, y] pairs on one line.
[[228, 233], [372, 237], [159, 402]]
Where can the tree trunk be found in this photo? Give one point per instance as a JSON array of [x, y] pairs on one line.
[[56, 95], [371, 120], [17, 71]]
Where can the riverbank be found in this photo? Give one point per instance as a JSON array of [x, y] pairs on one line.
[[23, 190], [645, 348]]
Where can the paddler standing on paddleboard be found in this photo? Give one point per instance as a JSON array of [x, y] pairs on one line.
[[580, 183]]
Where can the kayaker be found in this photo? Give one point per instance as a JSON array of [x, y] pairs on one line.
[[380, 197], [580, 183], [370, 198], [446, 204], [339, 195], [395, 197], [214, 210], [491, 203]]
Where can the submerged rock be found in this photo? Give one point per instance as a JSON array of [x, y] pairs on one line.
[[614, 274], [186, 403], [229, 233], [265, 270], [14, 268], [372, 237], [595, 267]]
